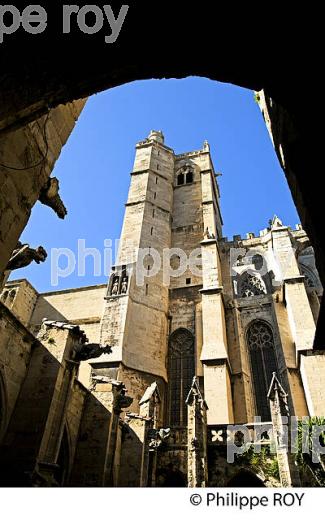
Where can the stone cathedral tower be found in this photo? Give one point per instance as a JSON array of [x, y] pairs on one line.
[[172, 218], [206, 333]]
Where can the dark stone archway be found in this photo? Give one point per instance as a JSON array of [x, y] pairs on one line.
[[253, 47], [223, 45], [172, 477]]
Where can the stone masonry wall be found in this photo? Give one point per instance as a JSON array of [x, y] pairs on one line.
[[15, 352], [22, 150]]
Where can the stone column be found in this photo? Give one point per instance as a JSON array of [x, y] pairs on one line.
[[149, 409], [289, 474], [214, 354], [142, 426], [300, 316], [312, 368], [197, 438], [61, 340], [120, 402], [147, 438], [135, 453], [65, 345]]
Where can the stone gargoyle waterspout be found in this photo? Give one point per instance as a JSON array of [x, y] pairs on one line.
[[86, 351], [50, 197], [23, 255]]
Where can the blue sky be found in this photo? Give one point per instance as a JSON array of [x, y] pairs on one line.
[[94, 166]]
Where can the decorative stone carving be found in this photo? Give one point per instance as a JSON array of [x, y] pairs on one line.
[[88, 351], [124, 287], [152, 392], [119, 282], [106, 380], [218, 436], [115, 287], [121, 402], [275, 222], [181, 342], [164, 433], [50, 197], [75, 329], [260, 336], [158, 437], [178, 437], [208, 235], [99, 380], [197, 437], [206, 146], [24, 255], [251, 285], [278, 399]]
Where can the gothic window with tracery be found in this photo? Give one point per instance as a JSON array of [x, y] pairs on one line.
[[251, 285], [185, 176], [181, 370], [263, 364]]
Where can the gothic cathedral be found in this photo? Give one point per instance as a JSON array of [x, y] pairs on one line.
[[195, 349]]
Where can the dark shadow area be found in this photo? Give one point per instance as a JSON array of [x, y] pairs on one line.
[[171, 477], [89, 460], [81, 464], [246, 479]]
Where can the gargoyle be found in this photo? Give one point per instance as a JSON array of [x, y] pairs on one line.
[[121, 402], [23, 255], [90, 351], [49, 196], [158, 437]]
